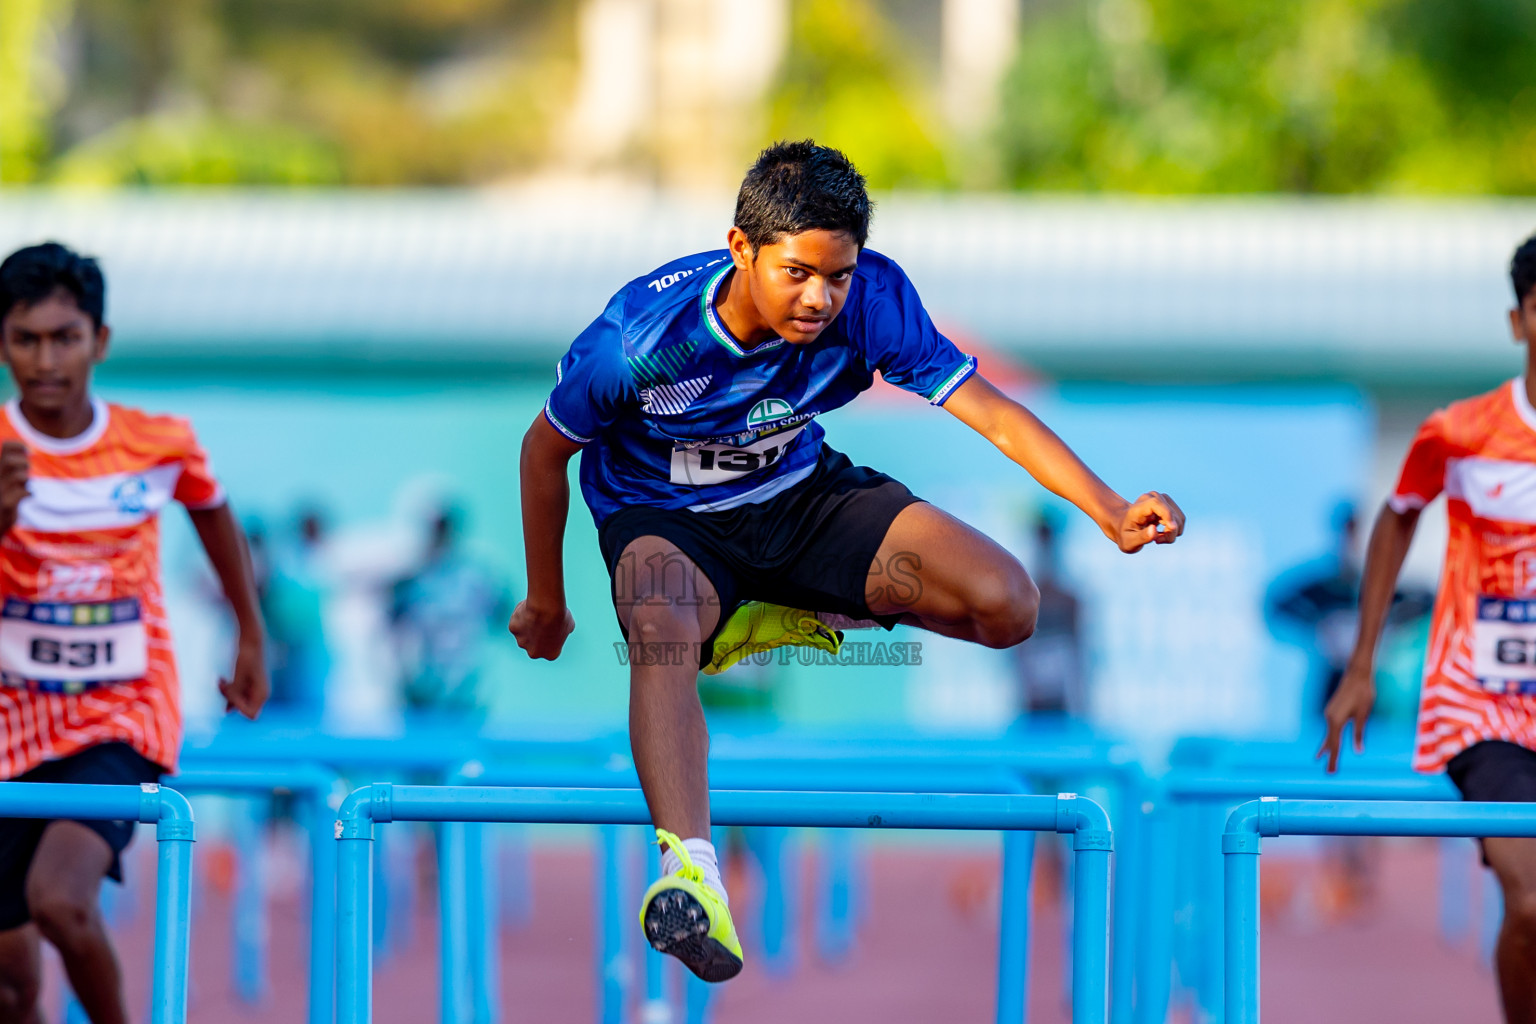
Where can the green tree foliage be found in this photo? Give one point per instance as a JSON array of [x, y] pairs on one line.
[[844, 83], [171, 150], [29, 85], [1179, 96], [1152, 96], [285, 92]]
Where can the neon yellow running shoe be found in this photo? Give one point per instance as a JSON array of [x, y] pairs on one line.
[[759, 626], [685, 918]]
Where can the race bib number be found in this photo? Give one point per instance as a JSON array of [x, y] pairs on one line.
[[1504, 645], [60, 647], [718, 464]]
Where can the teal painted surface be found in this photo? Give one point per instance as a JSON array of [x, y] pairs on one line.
[[1258, 471]]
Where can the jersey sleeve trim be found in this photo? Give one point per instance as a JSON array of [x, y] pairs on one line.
[[220, 498], [567, 431], [1405, 503], [960, 376]]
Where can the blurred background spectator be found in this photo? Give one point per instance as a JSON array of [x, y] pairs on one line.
[[442, 616], [1319, 603], [293, 596], [1052, 666]]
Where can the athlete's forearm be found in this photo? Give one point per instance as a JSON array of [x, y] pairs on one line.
[[1390, 539], [224, 541], [1020, 435], [1047, 458], [546, 496]]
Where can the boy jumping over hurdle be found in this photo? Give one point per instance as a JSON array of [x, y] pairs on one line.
[[729, 527]]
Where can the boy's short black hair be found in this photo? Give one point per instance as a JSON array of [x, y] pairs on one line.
[[30, 275], [800, 186], [1522, 269]]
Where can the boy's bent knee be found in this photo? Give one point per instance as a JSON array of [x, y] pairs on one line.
[[66, 921], [1006, 609], [663, 623]]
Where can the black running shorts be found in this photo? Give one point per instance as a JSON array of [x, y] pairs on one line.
[[115, 764], [810, 546], [1494, 771]]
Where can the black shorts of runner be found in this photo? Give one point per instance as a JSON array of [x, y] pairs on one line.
[[810, 546], [115, 764], [1494, 771]]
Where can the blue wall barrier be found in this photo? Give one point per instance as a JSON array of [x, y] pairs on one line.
[[382, 803], [1249, 823], [171, 815]]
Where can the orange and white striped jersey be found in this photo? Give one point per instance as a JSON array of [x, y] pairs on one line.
[[85, 649], [1480, 669]]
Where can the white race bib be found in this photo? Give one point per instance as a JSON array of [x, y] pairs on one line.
[[706, 464], [62, 647], [1504, 644]]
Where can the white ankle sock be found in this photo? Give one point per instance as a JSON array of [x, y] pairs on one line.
[[703, 853]]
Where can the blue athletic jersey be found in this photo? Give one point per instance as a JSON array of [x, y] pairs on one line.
[[674, 413]]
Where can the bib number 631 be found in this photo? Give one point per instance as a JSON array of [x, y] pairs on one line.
[[74, 654]]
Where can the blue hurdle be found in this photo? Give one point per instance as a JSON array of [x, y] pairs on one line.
[[1210, 790], [171, 815], [468, 944], [379, 804], [1249, 823]]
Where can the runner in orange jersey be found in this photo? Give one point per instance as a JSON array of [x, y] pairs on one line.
[[88, 689], [1477, 713]]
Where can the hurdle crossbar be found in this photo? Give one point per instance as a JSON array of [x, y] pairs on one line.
[[1066, 813]]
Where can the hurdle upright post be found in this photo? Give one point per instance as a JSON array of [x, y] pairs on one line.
[[1240, 845], [359, 814], [1013, 929], [322, 901], [453, 894], [613, 960], [174, 835], [1092, 844]]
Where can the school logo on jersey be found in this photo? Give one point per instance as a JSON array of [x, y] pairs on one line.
[[768, 410], [671, 399], [129, 496]]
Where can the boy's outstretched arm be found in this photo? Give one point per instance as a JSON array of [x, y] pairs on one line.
[[1153, 518], [541, 621], [247, 688], [1356, 696]]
